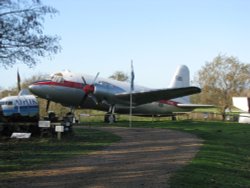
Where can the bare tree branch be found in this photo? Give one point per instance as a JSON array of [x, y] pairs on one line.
[[21, 32], [222, 79]]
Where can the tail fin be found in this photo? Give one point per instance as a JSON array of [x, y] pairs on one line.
[[181, 79]]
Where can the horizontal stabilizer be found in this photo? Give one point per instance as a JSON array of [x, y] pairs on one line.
[[195, 105], [242, 103]]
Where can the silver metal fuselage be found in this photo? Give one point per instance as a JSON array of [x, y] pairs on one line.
[[68, 91]]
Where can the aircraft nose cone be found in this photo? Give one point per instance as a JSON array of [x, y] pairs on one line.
[[40, 89], [31, 88], [34, 89]]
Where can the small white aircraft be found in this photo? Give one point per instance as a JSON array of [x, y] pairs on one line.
[[22, 107], [19, 108], [88, 92]]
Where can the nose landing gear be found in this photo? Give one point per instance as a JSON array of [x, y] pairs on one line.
[[110, 116]]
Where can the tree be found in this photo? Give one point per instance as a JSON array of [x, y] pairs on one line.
[[34, 78], [222, 79], [21, 32], [119, 75]]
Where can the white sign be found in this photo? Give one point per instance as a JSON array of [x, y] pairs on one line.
[[244, 118], [44, 124], [20, 135], [59, 129]]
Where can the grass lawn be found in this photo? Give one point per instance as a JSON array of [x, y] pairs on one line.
[[224, 159], [28, 154]]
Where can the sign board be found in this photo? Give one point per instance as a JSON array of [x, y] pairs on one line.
[[59, 129], [244, 118], [85, 115], [242, 103], [44, 124], [20, 135]]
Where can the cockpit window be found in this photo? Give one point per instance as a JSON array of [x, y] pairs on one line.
[[8, 103], [57, 77]]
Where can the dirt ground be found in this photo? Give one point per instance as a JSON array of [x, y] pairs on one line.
[[143, 158]]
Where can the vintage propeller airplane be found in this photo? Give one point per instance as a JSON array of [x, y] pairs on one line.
[[88, 92]]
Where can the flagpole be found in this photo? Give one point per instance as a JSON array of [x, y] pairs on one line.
[[131, 96], [130, 109]]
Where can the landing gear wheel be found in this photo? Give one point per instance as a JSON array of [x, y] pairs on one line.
[[52, 116], [173, 118], [109, 118]]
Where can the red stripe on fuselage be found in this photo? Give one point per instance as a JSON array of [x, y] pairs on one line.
[[62, 84]]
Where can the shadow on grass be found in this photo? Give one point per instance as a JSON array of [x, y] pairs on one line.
[[224, 159], [28, 154]]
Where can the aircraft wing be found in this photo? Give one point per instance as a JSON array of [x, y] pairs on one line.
[[156, 95]]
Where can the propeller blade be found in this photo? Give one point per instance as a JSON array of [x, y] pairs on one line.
[[83, 99], [88, 90], [95, 78], [18, 81], [92, 96], [84, 81]]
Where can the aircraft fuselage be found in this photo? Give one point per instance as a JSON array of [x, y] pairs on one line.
[[67, 89]]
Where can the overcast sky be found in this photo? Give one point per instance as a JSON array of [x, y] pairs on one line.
[[158, 35]]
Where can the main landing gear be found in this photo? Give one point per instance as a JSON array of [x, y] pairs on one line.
[[67, 121], [173, 117], [110, 116]]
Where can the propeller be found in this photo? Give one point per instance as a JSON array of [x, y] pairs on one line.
[[89, 90], [18, 81]]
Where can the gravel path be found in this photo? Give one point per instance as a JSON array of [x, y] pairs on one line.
[[143, 158]]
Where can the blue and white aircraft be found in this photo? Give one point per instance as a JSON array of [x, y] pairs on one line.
[[21, 108]]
